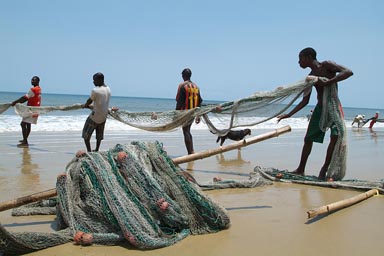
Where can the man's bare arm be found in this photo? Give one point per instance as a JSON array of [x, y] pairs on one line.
[[298, 107], [342, 73]]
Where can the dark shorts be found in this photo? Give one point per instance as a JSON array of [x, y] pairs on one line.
[[90, 126], [314, 133]]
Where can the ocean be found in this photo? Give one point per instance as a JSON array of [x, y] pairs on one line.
[[74, 120]]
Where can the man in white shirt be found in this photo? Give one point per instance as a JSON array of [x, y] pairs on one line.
[[100, 96], [359, 119]]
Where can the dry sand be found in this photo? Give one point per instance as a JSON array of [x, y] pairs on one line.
[[268, 220]]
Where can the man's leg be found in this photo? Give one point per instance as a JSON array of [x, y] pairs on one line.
[[306, 151], [88, 144], [28, 131], [89, 127], [188, 139], [25, 130], [328, 157], [99, 135], [98, 142]]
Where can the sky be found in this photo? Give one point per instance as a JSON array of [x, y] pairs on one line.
[[234, 48]]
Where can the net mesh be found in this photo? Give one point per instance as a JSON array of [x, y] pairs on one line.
[[274, 174], [132, 193], [4, 107], [249, 111], [332, 114], [255, 109]]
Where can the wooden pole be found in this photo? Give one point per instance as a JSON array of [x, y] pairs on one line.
[[341, 204], [236, 145], [184, 159], [27, 199]]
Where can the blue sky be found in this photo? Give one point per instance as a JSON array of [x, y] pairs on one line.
[[234, 48]]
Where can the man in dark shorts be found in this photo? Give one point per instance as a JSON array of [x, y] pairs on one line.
[[100, 96], [315, 133], [188, 97]]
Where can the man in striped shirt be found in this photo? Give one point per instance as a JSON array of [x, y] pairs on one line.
[[188, 97]]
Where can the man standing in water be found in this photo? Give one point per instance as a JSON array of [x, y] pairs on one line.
[[188, 97], [100, 96], [33, 97], [374, 119], [328, 73]]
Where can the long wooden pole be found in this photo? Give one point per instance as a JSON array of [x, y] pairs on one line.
[[236, 145], [27, 199], [184, 159], [341, 204]]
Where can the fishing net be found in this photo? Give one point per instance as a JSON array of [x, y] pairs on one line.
[[43, 207], [249, 111], [255, 109], [4, 107], [28, 111], [246, 112], [274, 174], [332, 115], [132, 193]]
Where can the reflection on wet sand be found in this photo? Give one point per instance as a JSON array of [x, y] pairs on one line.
[[29, 175], [190, 165], [373, 134], [231, 162]]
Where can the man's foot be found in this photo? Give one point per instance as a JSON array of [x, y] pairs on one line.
[[321, 178], [322, 174], [296, 172], [23, 145], [21, 141]]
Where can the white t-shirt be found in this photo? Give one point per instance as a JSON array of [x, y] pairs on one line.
[[100, 96]]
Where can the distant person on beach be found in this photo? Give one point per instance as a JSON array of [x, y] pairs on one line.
[[188, 97], [359, 119], [334, 73], [33, 97], [100, 96], [374, 119]]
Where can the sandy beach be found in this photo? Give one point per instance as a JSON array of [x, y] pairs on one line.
[[269, 220]]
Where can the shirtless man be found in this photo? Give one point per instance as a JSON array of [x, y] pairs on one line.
[[335, 73]]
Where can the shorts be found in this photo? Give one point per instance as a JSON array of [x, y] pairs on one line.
[[30, 119], [314, 133], [90, 126]]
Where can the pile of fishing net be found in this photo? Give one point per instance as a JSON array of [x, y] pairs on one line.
[[131, 193]]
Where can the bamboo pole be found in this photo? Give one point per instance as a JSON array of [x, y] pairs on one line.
[[27, 199], [184, 159], [341, 204], [236, 145]]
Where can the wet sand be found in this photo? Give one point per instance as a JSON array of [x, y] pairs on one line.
[[268, 220]]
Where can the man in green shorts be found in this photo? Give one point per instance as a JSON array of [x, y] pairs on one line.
[[328, 73]]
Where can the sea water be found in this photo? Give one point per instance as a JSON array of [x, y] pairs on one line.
[[74, 120]]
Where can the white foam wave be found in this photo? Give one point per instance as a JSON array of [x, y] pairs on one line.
[[10, 123]]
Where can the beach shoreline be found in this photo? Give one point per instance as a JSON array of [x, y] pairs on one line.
[[269, 220]]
